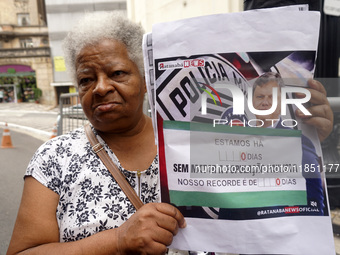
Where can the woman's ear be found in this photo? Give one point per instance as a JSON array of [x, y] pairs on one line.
[[144, 83]]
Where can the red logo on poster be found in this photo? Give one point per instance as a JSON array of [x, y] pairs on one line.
[[197, 62]]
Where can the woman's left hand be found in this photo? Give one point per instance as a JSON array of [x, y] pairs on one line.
[[322, 114]]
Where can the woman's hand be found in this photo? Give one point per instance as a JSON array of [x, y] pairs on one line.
[[150, 230], [322, 114]]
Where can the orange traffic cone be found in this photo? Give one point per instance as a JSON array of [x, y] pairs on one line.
[[6, 138], [54, 131]]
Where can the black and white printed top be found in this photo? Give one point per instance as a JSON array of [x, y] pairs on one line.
[[90, 200]]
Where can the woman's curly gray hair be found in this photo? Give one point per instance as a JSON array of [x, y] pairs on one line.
[[96, 26]]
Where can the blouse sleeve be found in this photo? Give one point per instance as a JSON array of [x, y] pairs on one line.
[[45, 168]]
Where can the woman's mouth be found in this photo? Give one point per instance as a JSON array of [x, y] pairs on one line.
[[105, 107]]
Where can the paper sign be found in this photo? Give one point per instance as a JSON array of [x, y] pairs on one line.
[[244, 171], [59, 64], [332, 7]]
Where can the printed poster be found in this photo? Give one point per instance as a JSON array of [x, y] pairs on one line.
[[243, 169]]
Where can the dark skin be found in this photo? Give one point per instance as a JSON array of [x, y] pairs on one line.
[[111, 90], [322, 114]]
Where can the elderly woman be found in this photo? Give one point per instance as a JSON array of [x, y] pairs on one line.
[[71, 204]]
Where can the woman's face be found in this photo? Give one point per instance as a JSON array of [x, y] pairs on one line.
[[111, 89]]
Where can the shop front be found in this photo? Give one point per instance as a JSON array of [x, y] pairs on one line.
[[18, 84]]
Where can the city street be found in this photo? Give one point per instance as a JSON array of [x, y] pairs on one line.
[[13, 163], [30, 125]]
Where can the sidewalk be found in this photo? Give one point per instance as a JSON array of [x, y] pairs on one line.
[[28, 107], [35, 119]]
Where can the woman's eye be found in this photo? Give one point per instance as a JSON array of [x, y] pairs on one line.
[[118, 73], [84, 81]]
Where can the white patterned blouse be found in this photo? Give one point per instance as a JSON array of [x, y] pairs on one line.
[[90, 200]]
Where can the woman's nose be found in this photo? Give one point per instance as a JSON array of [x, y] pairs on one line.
[[103, 86]]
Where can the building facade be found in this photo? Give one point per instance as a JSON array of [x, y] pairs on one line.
[[62, 15], [149, 12], [25, 59]]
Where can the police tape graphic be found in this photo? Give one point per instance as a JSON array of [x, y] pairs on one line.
[[179, 90], [182, 93]]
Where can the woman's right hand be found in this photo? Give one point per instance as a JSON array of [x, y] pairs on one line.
[[150, 230]]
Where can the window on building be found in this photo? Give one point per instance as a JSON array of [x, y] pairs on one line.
[[22, 4], [23, 19], [44, 41], [26, 43]]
